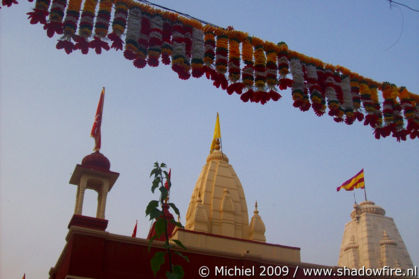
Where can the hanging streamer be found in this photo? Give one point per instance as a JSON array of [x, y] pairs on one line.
[[234, 61]]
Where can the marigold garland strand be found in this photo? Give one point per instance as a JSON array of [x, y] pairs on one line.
[[233, 60]]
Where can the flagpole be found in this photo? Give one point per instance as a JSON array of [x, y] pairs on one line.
[[365, 191], [365, 194], [355, 198]]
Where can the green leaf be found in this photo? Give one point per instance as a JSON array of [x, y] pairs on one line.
[[151, 205], [153, 172], [155, 213], [177, 273], [164, 193], [163, 165], [179, 243], [177, 224], [156, 183], [160, 226], [178, 269], [157, 261], [182, 256], [173, 206]]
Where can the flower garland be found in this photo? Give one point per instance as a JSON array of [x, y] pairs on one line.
[[39, 13], [70, 26], [209, 51], [415, 132], [347, 105], [356, 99], [101, 26], [118, 25], [56, 14], [271, 70], [131, 38], [298, 86], [334, 95], [254, 67], [234, 62], [369, 99], [260, 72], [197, 52], [398, 132], [316, 95], [179, 51], [408, 106], [378, 119], [143, 39], [8, 3], [221, 55], [388, 110], [247, 72], [166, 48], [188, 49], [86, 26], [155, 43], [283, 63]]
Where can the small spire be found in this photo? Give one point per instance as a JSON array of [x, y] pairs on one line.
[[256, 211], [216, 141]]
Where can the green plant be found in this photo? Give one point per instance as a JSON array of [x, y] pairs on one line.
[[158, 210]]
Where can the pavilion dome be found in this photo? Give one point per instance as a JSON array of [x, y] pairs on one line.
[[96, 160]]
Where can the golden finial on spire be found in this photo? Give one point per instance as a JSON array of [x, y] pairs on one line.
[[256, 211], [216, 141]]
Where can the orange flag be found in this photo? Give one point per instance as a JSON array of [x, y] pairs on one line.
[[95, 133], [357, 181], [24, 276], [134, 232]]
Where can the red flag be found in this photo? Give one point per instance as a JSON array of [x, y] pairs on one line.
[[134, 232], [166, 184], [98, 121]]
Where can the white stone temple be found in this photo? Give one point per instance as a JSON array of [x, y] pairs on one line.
[[371, 239]]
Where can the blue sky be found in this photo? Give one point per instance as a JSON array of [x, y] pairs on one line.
[[289, 161]]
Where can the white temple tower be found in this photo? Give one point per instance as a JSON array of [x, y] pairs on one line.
[[217, 219], [371, 239]]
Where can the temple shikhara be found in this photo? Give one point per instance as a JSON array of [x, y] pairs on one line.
[[218, 233], [371, 239]]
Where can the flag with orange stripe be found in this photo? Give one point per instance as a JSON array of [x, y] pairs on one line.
[[356, 182]]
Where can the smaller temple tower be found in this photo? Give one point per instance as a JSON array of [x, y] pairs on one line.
[[371, 239]]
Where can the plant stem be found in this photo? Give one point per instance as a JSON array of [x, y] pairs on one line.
[[166, 234]]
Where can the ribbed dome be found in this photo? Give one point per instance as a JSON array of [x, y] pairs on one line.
[[96, 160], [367, 207]]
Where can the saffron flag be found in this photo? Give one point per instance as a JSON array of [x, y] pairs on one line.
[[95, 133], [24, 276], [356, 182], [217, 133], [134, 232]]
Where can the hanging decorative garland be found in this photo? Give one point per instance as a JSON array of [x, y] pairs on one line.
[[233, 60], [118, 25], [86, 26]]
